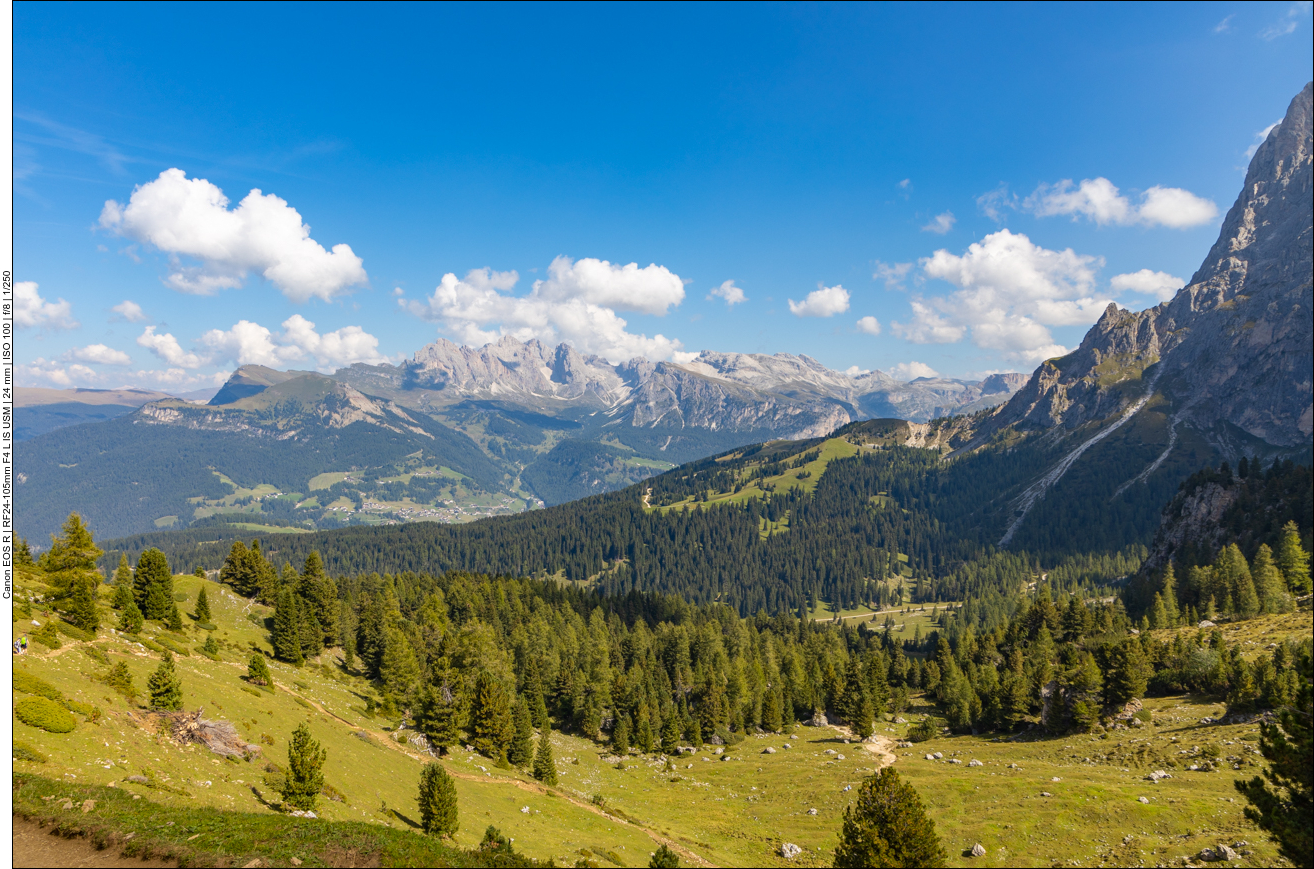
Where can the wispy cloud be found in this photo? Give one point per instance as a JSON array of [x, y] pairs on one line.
[[891, 273], [1260, 137], [1287, 24], [71, 139], [941, 223], [1225, 25]]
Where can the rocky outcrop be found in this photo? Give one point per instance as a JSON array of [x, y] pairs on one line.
[[1233, 350]]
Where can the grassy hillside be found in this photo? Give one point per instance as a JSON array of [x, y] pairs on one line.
[[1033, 801]]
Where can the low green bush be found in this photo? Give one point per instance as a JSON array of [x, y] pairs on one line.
[[96, 654], [180, 596], [90, 711], [73, 632], [248, 689], [23, 751], [46, 636], [923, 730], [207, 626], [150, 644], [29, 684], [181, 651], [44, 713]]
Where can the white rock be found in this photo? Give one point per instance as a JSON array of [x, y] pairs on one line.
[[939, 755], [1145, 800], [978, 850], [768, 750], [812, 811], [789, 850], [1056, 778], [975, 762], [524, 810], [930, 757]]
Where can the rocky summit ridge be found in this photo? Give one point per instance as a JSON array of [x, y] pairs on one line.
[[1232, 352]]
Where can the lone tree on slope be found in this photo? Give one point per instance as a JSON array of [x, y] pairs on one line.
[[437, 801], [305, 776], [888, 826]]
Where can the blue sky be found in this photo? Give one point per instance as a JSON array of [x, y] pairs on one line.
[[911, 188]]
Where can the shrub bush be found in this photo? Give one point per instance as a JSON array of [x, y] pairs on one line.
[[23, 751], [46, 636], [96, 654], [90, 711], [923, 730], [44, 713], [29, 684], [73, 632]]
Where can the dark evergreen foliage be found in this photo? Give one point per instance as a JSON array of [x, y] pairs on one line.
[[305, 777], [887, 826], [438, 812]]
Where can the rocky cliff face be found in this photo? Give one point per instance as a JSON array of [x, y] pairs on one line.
[[1233, 350]]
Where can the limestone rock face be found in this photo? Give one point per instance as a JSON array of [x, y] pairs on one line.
[[1233, 351]]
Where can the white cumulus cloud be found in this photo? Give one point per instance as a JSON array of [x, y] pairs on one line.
[[576, 304], [912, 371], [650, 290], [98, 354], [130, 311], [941, 223], [869, 325], [733, 295], [31, 310], [1009, 292], [1161, 285], [822, 302], [263, 234], [167, 348], [332, 350], [1100, 200]]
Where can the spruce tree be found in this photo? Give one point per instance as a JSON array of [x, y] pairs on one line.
[[643, 739], [238, 572], [119, 678], [490, 718], [82, 608], [398, 669], [210, 647], [1128, 674], [1247, 600], [130, 620], [199, 573], [203, 607], [545, 768], [72, 556], [174, 620], [437, 801], [257, 670], [287, 629], [305, 776], [1293, 560], [887, 826], [164, 686], [321, 597], [772, 711], [521, 751]]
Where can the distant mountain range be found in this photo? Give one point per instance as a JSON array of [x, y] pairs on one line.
[[453, 434]]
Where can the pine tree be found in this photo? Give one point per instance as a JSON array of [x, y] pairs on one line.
[[1294, 560], [305, 776], [287, 629], [130, 620], [643, 738], [437, 801], [545, 768], [1158, 615], [1282, 802], [887, 826], [119, 678], [863, 725], [439, 711], [164, 686], [521, 751], [1128, 674], [22, 553], [620, 735], [210, 647], [257, 670], [153, 585], [772, 710], [199, 573], [490, 718], [238, 572], [72, 555], [664, 858], [203, 607], [174, 620], [82, 609], [398, 670], [671, 733], [321, 598]]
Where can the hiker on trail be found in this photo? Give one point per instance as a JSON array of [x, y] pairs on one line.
[[24, 642], [17, 650]]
